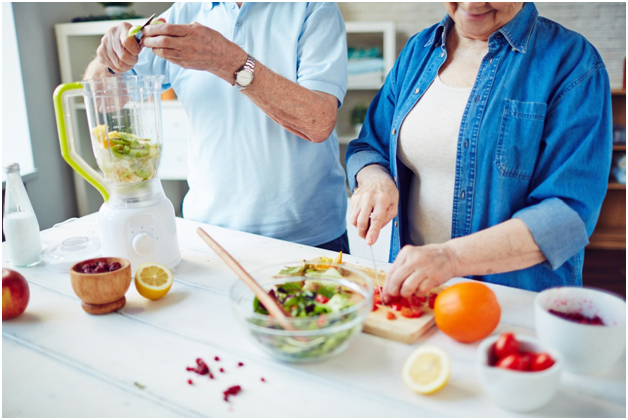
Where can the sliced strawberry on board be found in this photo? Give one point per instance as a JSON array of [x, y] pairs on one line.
[[391, 316]]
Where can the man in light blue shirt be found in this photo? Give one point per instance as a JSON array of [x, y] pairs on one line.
[[261, 83]]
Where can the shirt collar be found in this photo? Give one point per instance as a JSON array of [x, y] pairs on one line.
[[517, 32]]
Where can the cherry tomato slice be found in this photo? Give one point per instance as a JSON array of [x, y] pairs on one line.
[[396, 307], [411, 312], [527, 357], [541, 361], [512, 362], [431, 300], [390, 315], [322, 299], [506, 344]]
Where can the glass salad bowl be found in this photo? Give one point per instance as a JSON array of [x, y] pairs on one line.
[[328, 304]]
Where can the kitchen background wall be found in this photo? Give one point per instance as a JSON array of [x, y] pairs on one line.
[[52, 193]]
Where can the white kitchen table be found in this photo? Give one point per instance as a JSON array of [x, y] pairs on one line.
[[59, 361]]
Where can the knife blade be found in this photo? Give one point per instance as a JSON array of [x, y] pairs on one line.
[[138, 35], [376, 273]]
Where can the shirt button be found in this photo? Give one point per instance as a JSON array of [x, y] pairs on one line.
[[238, 23], [442, 54], [417, 90], [394, 131], [396, 223], [477, 99], [466, 144], [462, 195], [513, 49], [490, 61]]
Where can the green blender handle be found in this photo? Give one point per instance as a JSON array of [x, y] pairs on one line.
[[60, 97]]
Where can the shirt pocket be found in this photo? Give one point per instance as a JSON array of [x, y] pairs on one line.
[[520, 138]]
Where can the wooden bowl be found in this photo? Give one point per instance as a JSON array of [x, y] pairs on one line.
[[101, 293]]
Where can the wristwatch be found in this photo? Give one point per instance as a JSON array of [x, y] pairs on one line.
[[244, 76]]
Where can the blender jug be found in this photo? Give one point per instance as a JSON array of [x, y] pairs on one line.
[[124, 118]]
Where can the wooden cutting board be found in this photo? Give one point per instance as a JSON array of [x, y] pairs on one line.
[[404, 330]]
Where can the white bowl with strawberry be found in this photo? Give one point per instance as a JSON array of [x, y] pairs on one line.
[[519, 373]]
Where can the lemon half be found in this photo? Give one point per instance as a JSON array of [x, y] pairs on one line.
[[153, 280], [427, 370]]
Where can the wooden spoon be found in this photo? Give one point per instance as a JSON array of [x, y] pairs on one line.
[[274, 309]]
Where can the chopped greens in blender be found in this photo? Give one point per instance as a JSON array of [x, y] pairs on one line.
[[125, 157]]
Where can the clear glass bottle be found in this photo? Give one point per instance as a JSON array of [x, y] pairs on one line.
[[21, 229]]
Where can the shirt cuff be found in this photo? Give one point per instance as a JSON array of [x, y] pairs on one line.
[[557, 229], [325, 87], [359, 160]]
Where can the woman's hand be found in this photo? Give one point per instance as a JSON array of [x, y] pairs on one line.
[[195, 46], [374, 202], [418, 269], [117, 50]]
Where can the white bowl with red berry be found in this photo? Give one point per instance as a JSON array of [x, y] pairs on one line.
[[587, 326], [518, 372]]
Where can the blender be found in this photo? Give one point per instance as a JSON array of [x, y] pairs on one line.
[[137, 221]]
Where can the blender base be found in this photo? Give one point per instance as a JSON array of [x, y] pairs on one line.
[[105, 308]]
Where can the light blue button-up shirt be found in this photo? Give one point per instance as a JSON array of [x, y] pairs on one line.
[[246, 172], [534, 143]]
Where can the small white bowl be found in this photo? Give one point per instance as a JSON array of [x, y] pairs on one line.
[[517, 390], [585, 348]]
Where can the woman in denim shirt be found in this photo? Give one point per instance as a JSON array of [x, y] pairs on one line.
[[489, 147]]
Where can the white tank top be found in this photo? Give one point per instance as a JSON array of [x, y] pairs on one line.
[[428, 143]]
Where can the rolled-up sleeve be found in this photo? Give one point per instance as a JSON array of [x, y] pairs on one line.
[[571, 174], [322, 51], [373, 144]]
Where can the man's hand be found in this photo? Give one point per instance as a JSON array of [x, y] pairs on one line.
[[194, 46], [374, 202], [117, 50], [418, 269]]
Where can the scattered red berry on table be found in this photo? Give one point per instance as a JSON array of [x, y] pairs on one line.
[[190, 381], [231, 391], [240, 364]]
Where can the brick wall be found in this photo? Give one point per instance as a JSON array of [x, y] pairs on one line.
[[603, 24]]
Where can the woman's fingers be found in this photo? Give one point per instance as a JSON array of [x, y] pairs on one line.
[[411, 283], [400, 271]]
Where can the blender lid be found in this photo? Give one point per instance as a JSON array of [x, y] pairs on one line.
[[63, 255]]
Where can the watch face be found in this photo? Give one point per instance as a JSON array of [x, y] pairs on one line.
[[244, 78]]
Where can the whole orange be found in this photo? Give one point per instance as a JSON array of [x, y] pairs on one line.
[[467, 312]]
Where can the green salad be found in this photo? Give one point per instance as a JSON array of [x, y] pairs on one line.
[[316, 303]]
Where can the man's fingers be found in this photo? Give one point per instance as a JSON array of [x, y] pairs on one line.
[[168, 54], [130, 44], [160, 42], [167, 29]]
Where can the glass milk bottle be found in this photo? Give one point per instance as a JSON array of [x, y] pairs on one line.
[[21, 229]]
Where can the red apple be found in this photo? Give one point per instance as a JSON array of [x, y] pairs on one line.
[[15, 294]]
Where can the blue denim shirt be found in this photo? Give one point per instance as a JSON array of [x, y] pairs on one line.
[[535, 140]]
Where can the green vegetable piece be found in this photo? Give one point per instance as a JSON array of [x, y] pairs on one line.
[[292, 270], [158, 21], [290, 287], [128, 136], [134, 30], [117, 141], [258, 308], [143, 174]]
